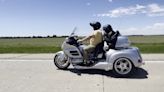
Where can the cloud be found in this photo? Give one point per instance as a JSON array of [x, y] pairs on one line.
[[155, 29], [149, 10], [155, 10]]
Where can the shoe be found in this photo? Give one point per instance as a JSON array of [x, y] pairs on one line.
[[92, 61], [85, 62]]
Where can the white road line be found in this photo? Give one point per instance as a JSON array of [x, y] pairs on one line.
[[154, 61], [20, 60]]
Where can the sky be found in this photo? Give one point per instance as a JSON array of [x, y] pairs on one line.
[[59, 17]]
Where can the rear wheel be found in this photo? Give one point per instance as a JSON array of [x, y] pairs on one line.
[[123, 67], [61, 62]]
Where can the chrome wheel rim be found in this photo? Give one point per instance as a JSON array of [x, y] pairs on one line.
[[61, 61], [123, 66]]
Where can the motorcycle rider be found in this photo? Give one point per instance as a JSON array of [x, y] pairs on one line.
[[94, 39], [110, 36]]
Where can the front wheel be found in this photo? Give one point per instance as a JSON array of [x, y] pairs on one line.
[[123, 67], [61, 62]]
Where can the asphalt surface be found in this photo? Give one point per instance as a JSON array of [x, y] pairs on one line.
[[37, 73]]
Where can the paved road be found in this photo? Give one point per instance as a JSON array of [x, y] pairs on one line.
[[37, 73], [146, 57]]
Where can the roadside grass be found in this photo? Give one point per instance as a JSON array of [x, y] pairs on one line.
[[150, 47], [146, 44], [147, 39], [36, 42], [30, 45]]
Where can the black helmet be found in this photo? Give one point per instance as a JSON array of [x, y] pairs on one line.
[[107, 28], [95, 25]]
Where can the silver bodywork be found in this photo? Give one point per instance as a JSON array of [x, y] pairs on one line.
[[123, 50]]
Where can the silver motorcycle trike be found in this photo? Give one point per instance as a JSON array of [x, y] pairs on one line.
[[121, 60]]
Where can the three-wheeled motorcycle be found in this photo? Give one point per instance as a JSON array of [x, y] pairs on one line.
[[122, 60]]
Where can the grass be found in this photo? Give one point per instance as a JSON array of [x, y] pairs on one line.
[[150, 47], [146, 44], [30, 45], [147, 39]]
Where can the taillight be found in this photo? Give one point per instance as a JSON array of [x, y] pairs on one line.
[[139, 60]]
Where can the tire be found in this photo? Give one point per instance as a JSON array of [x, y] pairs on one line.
[[123, 67], [61, 63]]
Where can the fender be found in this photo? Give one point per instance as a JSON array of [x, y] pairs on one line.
[[60, 53], [130, 54]]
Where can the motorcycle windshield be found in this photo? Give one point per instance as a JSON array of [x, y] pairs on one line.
[[74, 32]]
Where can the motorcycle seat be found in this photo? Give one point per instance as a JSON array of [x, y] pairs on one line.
[[98, 50]]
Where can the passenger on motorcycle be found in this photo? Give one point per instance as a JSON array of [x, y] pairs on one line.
[[110, 36], [94, 39]]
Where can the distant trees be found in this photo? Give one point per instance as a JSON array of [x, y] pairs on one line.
[[54, 36], [9, 37], [48, 36]]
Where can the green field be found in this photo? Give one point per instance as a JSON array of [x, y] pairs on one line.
[[146, 44], [30, 45]]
